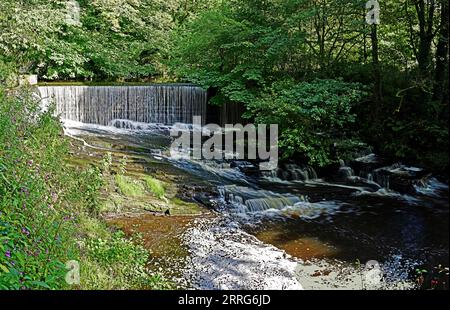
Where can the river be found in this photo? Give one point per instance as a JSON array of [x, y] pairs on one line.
[[286, 230]]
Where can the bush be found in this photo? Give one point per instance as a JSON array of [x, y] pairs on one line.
[[48, 210], [35, 223], [314, 118]]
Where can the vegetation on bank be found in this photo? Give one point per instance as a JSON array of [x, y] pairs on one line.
[[331, 81], [248, 51], [49, 210], [245, 50]]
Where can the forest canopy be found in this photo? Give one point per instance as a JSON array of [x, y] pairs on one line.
[[260, 53]]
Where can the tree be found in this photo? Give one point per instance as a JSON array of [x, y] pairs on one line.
[[441, 71]]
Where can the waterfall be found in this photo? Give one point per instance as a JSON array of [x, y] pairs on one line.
[[165, 104], [246, 199]]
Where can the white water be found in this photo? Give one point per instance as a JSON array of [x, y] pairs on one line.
[[248, 200], [430, 187], [165, 104], [225, 257]]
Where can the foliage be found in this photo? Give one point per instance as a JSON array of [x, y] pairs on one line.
[[434, 279], [48, 210], [112, 40], [313, 116], [124, 261], [155, 186], [129, 187], [36, 223], [241, 48]]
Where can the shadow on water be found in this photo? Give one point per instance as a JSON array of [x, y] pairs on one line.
[[366, 226], [308, 219]]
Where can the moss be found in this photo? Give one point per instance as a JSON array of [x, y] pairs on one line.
[[129, 187], [180, 207], [155, 186]]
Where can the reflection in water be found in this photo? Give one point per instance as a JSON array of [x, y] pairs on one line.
[[301, 247]]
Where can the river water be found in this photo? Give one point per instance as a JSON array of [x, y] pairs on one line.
[[267, 232]]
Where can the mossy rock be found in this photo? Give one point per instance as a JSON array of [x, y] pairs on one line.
[[180, 207]]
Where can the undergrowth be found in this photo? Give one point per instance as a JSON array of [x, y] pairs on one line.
[[49, 210]]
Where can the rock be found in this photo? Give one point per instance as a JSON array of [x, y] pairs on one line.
[[245, 167], [345, 173]]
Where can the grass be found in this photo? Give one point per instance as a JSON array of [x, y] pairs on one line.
[[129, 187], [111, 261], [155, 186]]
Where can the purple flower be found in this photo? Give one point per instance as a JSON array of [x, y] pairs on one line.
[[25, 231], [8, 254], [25, 191]]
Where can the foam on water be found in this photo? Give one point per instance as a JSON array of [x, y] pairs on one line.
[[225, 257], [383, 192], [431, 187]]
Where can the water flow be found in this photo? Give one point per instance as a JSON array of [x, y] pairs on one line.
[[165, 104], [246, 199]]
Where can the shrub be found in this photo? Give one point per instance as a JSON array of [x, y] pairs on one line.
[[48, 210], [35, 224], [314, 118]]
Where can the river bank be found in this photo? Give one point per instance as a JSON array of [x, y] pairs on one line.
[[200, 238]]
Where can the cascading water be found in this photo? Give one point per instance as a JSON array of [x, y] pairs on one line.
[[249, 200], [164, 104], [345, 171], [292, 172], [356, 218]]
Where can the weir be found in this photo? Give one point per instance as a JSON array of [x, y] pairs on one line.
[[163, 104]]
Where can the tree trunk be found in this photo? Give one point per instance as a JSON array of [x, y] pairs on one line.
[[425, 17], [440, 73], [377, 91]]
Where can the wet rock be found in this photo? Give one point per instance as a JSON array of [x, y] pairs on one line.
[[345, 173], [156, 209], [361, 182], [245, 167], [295, 172], [191, 192], [398, 177]]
